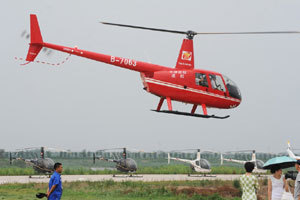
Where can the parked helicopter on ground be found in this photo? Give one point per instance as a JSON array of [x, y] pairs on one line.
[[124, 164], [182, 83], [291, 153], [198, 165], [258, 164], [41, 165]]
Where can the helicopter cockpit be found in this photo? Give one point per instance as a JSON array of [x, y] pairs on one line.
[[232, 88], [203, 164], [259, 164], [217, 83]]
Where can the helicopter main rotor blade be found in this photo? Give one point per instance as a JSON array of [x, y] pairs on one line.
[[145, 28], [210, 151], [56, 149], [239, 151], [109, 150], [202, 33], [182, 150], [247, 33]]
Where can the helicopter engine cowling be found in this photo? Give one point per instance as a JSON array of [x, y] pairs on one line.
[[259, 164]]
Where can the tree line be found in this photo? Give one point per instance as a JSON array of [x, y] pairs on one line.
[[135, 155]]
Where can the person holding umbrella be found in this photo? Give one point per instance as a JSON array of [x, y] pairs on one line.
[[297, 182], [276, 184], [275, 188]]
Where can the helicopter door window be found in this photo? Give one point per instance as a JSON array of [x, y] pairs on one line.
[[201, 79], [217, 82]]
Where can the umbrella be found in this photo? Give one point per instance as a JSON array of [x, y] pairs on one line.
[[282, 162]]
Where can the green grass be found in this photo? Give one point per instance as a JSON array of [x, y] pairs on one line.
[[164, 169], [145, 166], [107, 190]]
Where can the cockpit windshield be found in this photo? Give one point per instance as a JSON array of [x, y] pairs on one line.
[[232, 88]]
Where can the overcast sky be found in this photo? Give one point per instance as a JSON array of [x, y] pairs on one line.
[[85, 104]]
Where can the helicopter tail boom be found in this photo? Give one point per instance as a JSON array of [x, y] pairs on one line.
[[37, 44]]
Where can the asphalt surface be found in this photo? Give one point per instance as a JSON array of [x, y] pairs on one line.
[[140, 177]]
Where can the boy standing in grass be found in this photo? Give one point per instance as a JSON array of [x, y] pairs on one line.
[[54, 191], [249, 183]]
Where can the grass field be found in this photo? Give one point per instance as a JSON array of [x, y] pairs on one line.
[[108, 190], [167, 169]]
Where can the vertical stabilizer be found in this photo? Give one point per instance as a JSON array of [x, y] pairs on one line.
[[36, 40], [186, 55], [289, 151]]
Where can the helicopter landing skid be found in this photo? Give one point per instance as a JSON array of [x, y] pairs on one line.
[[202, 175], [127, 176], [39, 176], [190, 114]]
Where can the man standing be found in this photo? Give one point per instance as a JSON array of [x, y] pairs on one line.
[[249, 183], [297, 182], [54, 191]]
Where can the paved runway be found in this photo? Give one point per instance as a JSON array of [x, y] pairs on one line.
[[146, 178]]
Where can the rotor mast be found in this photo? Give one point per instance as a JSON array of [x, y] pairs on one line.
[[190, 35]]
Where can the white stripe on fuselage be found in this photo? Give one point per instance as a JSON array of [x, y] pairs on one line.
[[158, 82]]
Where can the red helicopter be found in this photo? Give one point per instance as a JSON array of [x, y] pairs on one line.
[[182, 83]]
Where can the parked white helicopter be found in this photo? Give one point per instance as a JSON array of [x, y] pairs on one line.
[[258, 164], [199, 165], [291, 154]]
